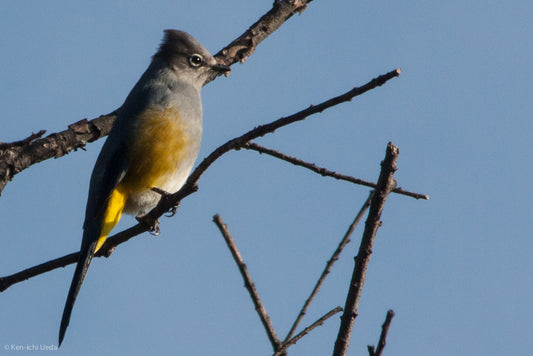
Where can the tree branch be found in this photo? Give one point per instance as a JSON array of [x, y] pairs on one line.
[[169, 202], [16, 158], [307, 330], [249, 284], [385, 185], [383, 336], [23, 142], [244, 46], [324, 171]]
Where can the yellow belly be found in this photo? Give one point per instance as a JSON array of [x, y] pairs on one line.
[[161, 143]]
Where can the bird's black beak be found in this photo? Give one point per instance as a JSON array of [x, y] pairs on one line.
[[221, 68]]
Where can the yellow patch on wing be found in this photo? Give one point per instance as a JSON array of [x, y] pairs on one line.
[[112, 215], [161, 143]]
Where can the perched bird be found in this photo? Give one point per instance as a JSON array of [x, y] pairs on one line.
[[153, 144]]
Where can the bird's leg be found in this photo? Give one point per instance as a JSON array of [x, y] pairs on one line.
[[153, 228]]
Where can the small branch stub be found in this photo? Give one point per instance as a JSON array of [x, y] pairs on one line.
[[383, 336]]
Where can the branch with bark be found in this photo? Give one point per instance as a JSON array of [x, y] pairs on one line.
[[385, 185]]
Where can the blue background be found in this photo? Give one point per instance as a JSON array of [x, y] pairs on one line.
[[456, 269]]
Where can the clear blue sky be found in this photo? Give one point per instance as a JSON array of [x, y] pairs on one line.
[[456, 269]]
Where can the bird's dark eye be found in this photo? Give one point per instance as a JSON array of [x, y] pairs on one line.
[[195, 60]]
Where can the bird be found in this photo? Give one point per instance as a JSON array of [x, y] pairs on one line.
[[151, 148]]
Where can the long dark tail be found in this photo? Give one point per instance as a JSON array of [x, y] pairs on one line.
[[86, 255]]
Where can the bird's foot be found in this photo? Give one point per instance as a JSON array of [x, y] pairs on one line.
[[153, 227], [165, 194], [173, 211]]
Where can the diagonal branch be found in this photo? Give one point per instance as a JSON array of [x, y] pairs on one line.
[[248, 283], [345, 240], [244, 46], [324, 171], [385, 184], [307, 330], [168, 202]]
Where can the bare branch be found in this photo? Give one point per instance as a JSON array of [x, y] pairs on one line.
[[16, 158], [8, 281], [169, 202], [23, 142], [306, 331], [383, 336], [385, 185], [107, 248], [243, 47], [248, 283], [345, 241], [324, 171]]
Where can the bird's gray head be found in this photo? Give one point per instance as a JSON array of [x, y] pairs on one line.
[[187, 57]]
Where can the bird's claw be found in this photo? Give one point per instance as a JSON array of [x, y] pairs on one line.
[[172, 211], [164, 195], [153, 228]]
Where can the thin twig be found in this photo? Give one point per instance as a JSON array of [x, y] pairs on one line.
[[386, 183], [248, 283], [383, 336], [306, 331], [334, 257], [168, 202], [27, 140], [324, 171]]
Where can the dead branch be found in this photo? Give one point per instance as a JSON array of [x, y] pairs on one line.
[[324, 171], [23, 142], [243, 47], [385, 185], [307, 330], [248, 283], [16, 158], [383, 336]]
